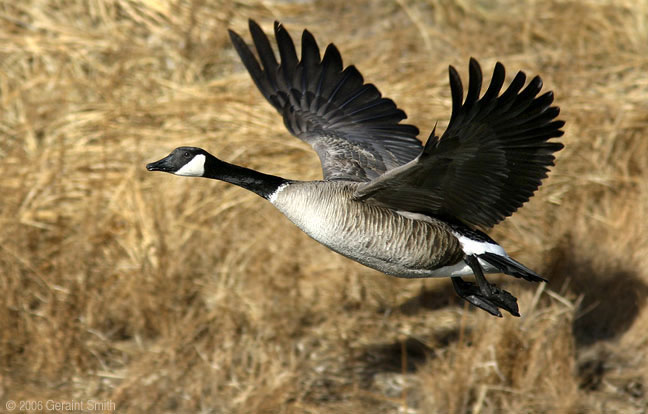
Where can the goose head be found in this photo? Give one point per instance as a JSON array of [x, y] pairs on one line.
[[186, 161], [196, 162]]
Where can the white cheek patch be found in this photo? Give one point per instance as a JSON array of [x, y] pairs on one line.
[[194, 168]]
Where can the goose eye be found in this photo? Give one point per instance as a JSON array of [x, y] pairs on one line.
[[186, 154]]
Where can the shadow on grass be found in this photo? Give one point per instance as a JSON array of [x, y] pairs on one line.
[[398, 356], [379, 361], [613, 293], [406, 355]]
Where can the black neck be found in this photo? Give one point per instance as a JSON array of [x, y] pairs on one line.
[[255, 181]]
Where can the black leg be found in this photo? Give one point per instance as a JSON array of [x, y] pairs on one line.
[[485, 287], [484, 295]]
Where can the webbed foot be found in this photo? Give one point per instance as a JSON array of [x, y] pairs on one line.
[[490, 299]]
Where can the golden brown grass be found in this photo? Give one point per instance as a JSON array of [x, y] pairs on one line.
[[168, 295]]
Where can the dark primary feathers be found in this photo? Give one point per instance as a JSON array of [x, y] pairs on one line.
[[354, 130], [490, 160]]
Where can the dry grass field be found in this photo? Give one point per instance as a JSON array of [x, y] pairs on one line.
[[162, 294]]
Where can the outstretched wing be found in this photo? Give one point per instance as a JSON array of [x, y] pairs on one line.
[[490, 160], [356, 133]]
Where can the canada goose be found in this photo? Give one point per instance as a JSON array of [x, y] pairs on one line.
[[386, 200]]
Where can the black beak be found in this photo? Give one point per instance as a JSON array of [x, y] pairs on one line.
[[161, 165]]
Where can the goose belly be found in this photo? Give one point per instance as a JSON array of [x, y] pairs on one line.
[[374, 236]]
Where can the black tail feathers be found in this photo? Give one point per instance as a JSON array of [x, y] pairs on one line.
[[511, 267]]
